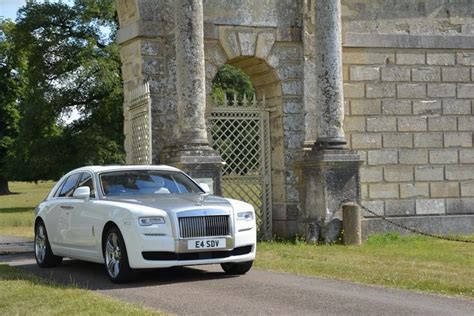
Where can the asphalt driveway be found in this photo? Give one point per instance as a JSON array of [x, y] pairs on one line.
[[206, 290]]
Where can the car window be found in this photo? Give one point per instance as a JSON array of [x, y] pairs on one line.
[[145, 182], [86, 181], [69, 185], [58, 189]]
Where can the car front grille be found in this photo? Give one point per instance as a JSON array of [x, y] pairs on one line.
[[204, 226]]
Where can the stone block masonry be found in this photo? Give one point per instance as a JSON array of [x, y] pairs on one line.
[[408, 94], [410, 115]]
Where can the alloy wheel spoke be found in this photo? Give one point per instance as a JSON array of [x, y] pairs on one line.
[[116, 268], [114, 240], [110, 265], [41, 232], [109, 247], [40, 252]]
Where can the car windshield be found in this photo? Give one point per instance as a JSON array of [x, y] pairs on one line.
[[145, 182]]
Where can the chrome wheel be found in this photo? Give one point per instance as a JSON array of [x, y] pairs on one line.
[[40, 243], [44, 255], [113, 255]]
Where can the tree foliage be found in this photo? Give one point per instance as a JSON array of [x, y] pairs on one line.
[[70, 64], [9, 90], [230, 81]]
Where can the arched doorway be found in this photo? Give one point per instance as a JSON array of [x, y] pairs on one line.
[[239, 128]]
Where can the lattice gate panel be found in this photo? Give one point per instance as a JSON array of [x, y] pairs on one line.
[[139, 110], [241, 136]]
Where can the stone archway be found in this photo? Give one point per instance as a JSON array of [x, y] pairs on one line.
[[255, 51], [270, 51]]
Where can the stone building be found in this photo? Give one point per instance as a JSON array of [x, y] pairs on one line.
[[398, 103]]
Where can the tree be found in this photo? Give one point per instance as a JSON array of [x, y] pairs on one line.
[[9, 89], [230, 81], [71, 64]]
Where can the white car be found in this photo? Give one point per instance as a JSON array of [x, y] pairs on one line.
[[139, 217]]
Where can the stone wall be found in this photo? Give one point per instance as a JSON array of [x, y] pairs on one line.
[[262, 13], [409, 114], [420, 17], [146, 37]]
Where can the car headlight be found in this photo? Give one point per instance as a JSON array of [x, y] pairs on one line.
[[246, 216], [148, 221]]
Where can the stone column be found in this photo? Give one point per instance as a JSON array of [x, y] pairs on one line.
[[329, 91], [328, 173], [190, 72], [192, 151], [311, 117]]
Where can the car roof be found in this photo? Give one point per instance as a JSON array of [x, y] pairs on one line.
[[99, 169]]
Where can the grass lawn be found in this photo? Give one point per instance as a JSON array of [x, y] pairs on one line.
[[17, 210], [412, 262], [24, 294], [408, 262]]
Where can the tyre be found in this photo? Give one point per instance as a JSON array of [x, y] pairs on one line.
[[237, 268], [116, 258], [43, 254]]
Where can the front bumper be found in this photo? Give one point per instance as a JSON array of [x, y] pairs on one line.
[[150, 250]]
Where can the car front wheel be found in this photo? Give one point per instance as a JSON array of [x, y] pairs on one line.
[[237, 268], [43, 254], [116, 258]]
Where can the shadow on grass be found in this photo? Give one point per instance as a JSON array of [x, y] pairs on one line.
[[92, 276], [11, 193], [12, 210]]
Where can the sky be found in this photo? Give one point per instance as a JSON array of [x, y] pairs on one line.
[[8, 8]]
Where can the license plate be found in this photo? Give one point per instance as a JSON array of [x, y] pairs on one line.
[[215, 243]]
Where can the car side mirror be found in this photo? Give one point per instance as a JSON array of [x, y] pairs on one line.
[[83, 193], [205, 187]]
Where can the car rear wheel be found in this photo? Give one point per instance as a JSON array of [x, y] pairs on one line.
[[237, 268], [116, 258], [43, 254]]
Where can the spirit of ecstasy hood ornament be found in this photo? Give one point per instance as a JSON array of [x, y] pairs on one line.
[[200, 200]]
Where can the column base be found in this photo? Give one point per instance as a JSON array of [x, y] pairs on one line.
[[201, 162], [330, 143], [327, 179]]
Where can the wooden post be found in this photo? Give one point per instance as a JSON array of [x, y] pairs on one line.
[[351, 221]]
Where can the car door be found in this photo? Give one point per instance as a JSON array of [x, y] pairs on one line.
[[85, 219], [58, 221]]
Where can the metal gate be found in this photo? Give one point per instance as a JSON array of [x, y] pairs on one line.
[[138, 146], [240, 132]]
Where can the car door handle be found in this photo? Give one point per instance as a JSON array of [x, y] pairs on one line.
[[67, 207]]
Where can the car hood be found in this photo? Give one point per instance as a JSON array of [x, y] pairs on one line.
[[174, 203]]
